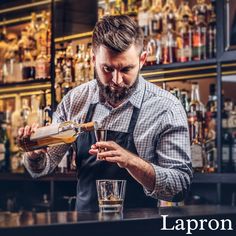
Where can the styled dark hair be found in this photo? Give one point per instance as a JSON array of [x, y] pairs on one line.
[[117, 33]]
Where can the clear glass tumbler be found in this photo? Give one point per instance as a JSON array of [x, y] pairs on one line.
[[111, 195]]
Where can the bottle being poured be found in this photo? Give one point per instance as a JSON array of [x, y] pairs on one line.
[[55, 134]]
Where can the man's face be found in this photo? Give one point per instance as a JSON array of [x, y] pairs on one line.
[[116, 73]]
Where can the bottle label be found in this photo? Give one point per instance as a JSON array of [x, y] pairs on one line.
[[196, 152], [41, 70]]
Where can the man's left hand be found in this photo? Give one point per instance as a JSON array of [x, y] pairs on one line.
[[113, 153]]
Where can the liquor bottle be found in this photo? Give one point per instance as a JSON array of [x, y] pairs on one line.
[[199, 38], [69, 61], [79, 65], [226, 161], [195, 119], [42, 34], [16, 123], [107, 9], [156, 18], [234, 151], [184, 40], [200, 8], [200, 13], [170, 14], [42, 65], [169, 45], [87, 64], [28, 70], [4, 145], [67, 85], [211, 33], [47, 110], [132, 7], [32, 30], [151, 52], [58, 84], [143, 17], [25, 111], [55, 134], [35, 116], [184, 100]]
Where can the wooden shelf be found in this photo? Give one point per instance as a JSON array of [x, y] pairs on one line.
[[180, 71], [24, 86], [71, 176]]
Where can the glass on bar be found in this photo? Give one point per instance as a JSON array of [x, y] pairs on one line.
[[111, 195]]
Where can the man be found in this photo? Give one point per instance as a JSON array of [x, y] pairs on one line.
[[147, 131]]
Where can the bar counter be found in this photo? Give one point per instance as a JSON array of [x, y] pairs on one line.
[[130, 222]]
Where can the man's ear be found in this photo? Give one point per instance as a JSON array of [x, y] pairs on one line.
[[143, 58]]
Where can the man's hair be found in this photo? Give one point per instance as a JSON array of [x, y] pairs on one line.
[[117, 33]]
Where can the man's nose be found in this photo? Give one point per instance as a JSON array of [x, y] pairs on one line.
[[117, 77]]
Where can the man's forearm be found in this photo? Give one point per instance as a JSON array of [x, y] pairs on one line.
[[143, 172]]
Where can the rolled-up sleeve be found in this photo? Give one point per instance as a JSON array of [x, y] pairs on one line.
[[173, 170]]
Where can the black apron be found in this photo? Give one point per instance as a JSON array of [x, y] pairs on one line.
[[90, 169]]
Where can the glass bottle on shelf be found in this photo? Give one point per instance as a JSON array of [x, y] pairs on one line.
[[4, 142], [184, 100], [35, 116], [151, 52], [195, 119], [199, 38], [79, 65], [170, 14], [226, 161], [211, 33], [184, 39], [69, 60], [47, 110], [143, 17], [28, 70], [132, 7], [25, 111], [200, 8], [68, 84], [42, 65], [200, 14], [42, 34], [55, 134], [107, 9], [16, 122], [155, 18], [234, 151], [169, 45], [58, 84]]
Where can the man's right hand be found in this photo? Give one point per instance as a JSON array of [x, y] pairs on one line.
[[24, 136]]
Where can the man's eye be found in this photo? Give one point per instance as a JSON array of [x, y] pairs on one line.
[[125, 70], [107, 69]]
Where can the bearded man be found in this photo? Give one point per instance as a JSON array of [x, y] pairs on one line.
[[147, 131]]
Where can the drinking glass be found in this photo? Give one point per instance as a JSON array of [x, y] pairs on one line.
[[100, 135], [111, 194]]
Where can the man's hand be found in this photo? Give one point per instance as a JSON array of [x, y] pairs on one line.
[[113, 153], [24, 134], [140, 169]]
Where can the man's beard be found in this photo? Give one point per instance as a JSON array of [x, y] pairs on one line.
[[118, 94]]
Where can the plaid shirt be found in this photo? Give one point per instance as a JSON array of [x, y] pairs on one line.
[[161, 134]]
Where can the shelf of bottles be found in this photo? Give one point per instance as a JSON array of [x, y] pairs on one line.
[[228, 117], [181, 46], [175, 30]]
